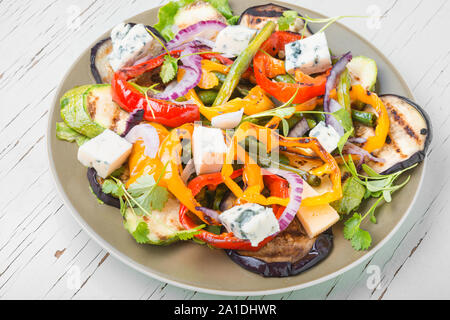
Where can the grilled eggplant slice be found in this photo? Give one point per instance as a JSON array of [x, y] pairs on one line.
[[256, 17], [96, 186], [289, 254], [409, 135], [100, 67]]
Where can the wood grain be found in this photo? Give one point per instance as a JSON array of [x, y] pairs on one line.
[[42, 248]]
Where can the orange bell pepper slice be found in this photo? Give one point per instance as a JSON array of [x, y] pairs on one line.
[[377, 141], [170, 154], [272, 140]]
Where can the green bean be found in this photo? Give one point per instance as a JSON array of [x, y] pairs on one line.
[[242, 63], [220, 76], [292, 121], [310, 119], [313, 181], [366, 118], [265, 160], [285, 78], [311, 122], [207, 96], [218, 197], [239, 88]]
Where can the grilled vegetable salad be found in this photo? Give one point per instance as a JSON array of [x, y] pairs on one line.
[[247, 134]]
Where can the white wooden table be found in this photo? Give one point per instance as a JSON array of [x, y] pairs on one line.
[[41, 245]]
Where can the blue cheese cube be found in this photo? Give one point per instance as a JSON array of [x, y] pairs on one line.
[[327, 136], [309, 55], [209, 149], [232, 40], [105, 153], [129, 45], [250, 221]]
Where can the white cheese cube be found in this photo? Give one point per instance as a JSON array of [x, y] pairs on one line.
[[309, 55], [105, 153], [129, 45], [209, 149], [250, 221], [315, 219], [327, 136], [232, 40], [119, 32]]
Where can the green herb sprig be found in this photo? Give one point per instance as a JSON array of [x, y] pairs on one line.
[[377, 186], [169, 67]]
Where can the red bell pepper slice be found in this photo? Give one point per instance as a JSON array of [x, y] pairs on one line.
[[277, 187], [262, 65], [165, 112], [223, 60]]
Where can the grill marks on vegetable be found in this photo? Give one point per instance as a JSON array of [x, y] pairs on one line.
[[103, 110], [399, 118], [409, 135]]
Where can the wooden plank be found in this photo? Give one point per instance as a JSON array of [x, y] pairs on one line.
[[43, 250]]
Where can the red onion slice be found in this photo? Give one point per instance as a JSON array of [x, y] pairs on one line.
[[203, 29], [299, 129], [359, 140], [350, 148], [295, 196], [331, 120], [135, 118], [189, 169], [193, 72], [209, 212], [337, 69], [148, 134]]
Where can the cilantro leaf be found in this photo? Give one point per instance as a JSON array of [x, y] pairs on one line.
[[158, 198], [288, 18], [110, 187], [148, 194], [141, 233], [169, 68], [351, 226], [361, 240]]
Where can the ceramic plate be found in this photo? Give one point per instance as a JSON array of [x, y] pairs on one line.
[[196, 267]]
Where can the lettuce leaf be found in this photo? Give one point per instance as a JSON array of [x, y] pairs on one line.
[[64, 132], [166, 14]]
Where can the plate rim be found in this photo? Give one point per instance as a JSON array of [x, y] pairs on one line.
[[140, 268]]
